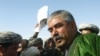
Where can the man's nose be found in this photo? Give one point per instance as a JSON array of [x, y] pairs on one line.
[[55, 33]]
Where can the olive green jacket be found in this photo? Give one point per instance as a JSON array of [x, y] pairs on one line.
[[85, 45]]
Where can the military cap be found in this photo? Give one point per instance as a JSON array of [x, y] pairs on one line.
[[9, 37], [90, 27], [35, 41]]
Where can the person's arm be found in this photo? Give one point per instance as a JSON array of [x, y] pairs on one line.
[[36, 32], [34, 36]]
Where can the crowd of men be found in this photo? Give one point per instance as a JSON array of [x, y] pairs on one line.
[[65, 40]]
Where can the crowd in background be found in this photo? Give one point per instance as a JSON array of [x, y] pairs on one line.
[[66, 39]]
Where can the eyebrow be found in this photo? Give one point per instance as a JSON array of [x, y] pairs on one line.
[[55, 25]]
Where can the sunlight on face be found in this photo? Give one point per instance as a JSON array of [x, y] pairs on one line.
[[9, 51], [85, 31]]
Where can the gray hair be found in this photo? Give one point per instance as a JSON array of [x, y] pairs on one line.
[[67, 16]]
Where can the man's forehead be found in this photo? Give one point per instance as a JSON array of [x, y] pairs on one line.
[[59, 17], [51, 25], [55, 20]]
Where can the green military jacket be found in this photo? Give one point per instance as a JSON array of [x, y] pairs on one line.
[[85, 45]]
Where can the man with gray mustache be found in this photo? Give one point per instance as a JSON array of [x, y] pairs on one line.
[[69, 42]]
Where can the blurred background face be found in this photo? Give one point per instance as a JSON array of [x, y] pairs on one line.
[[1, 50], [85, 31], [50, 44], [58, 26], [11, 50], [19, 48]]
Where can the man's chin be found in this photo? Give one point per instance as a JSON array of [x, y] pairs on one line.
[[60, 45]]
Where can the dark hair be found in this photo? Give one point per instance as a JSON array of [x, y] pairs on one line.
[[24, 43], [6, 45], [10, 37]]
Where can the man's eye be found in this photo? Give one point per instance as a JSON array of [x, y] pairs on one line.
[[58, 25], [50, 30]]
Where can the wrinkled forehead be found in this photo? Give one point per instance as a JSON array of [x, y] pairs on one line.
[[55, 19]]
